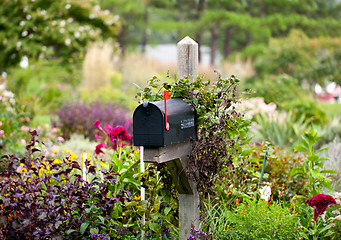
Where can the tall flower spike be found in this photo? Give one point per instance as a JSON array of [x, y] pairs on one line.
[[320, 203]]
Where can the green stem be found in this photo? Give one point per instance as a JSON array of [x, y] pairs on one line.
[[315, 230]]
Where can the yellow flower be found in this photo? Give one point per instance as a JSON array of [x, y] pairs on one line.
[[57, 161], [102, 164], [137, 198], [55, 150], [65, 150], [73, 156]]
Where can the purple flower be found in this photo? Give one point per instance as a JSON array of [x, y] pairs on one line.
[[320, 203], [197, 234], [101, 236]]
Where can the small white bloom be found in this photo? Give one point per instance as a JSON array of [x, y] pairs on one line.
[[24, 33], [77, 34], [18, 45], [28, 17], [2, 87], [97, 8], [67, 41], [62, 30], [62, 23], [53, 23], [70, 20], [81, 28], [43, 12], [116, 18], [68, 6], [92, 16], [265, 193], [22, 23], [106, 12]]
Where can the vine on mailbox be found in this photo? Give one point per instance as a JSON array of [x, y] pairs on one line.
[[221, 129]]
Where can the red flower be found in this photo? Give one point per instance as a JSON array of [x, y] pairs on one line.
[[97, 123], [320, 202], [99, 147], [119, 132]]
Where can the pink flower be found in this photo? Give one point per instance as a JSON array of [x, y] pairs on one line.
[[281, 193], [271, 230], [236, 201], [320, 202], [283, 186], [97, 123]]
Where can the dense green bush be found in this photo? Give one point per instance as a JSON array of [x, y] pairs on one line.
[[44, 84], [253, 219]]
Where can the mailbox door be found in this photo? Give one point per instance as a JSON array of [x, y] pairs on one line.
[[148, 124], [182, 121]]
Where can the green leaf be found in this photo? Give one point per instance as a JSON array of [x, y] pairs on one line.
[[326, 228], [94, 230], [305, 236], [329, 171], [70, 231], [153, 226], [301, 149], [167, 210], [83, 228], [101, 218]]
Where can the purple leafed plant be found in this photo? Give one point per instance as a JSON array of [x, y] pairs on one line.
[[41, 203], [79, 118]]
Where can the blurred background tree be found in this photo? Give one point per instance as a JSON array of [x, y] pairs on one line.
[[50, 29]]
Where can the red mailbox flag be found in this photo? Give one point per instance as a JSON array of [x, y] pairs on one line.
[[166, 97]]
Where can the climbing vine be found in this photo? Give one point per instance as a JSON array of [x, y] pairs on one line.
[[221, 128]]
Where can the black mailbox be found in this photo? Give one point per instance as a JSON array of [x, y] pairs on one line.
[[149, 125]]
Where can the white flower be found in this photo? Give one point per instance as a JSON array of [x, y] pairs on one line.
[[28, 17], [62, 23], [67, 41], [24, 33], [18, 45], [77, 34], [62, 30], [67, 6], [106, 12], [43, 12], [265, 193], [22, 23], [70, 20]]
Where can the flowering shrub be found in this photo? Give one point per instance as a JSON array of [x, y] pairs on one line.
[[14, 118], [79, 118]]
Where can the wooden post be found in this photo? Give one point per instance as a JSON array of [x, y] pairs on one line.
[[187, 61]]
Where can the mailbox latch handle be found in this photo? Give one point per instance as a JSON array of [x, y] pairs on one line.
[[166, 97]]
